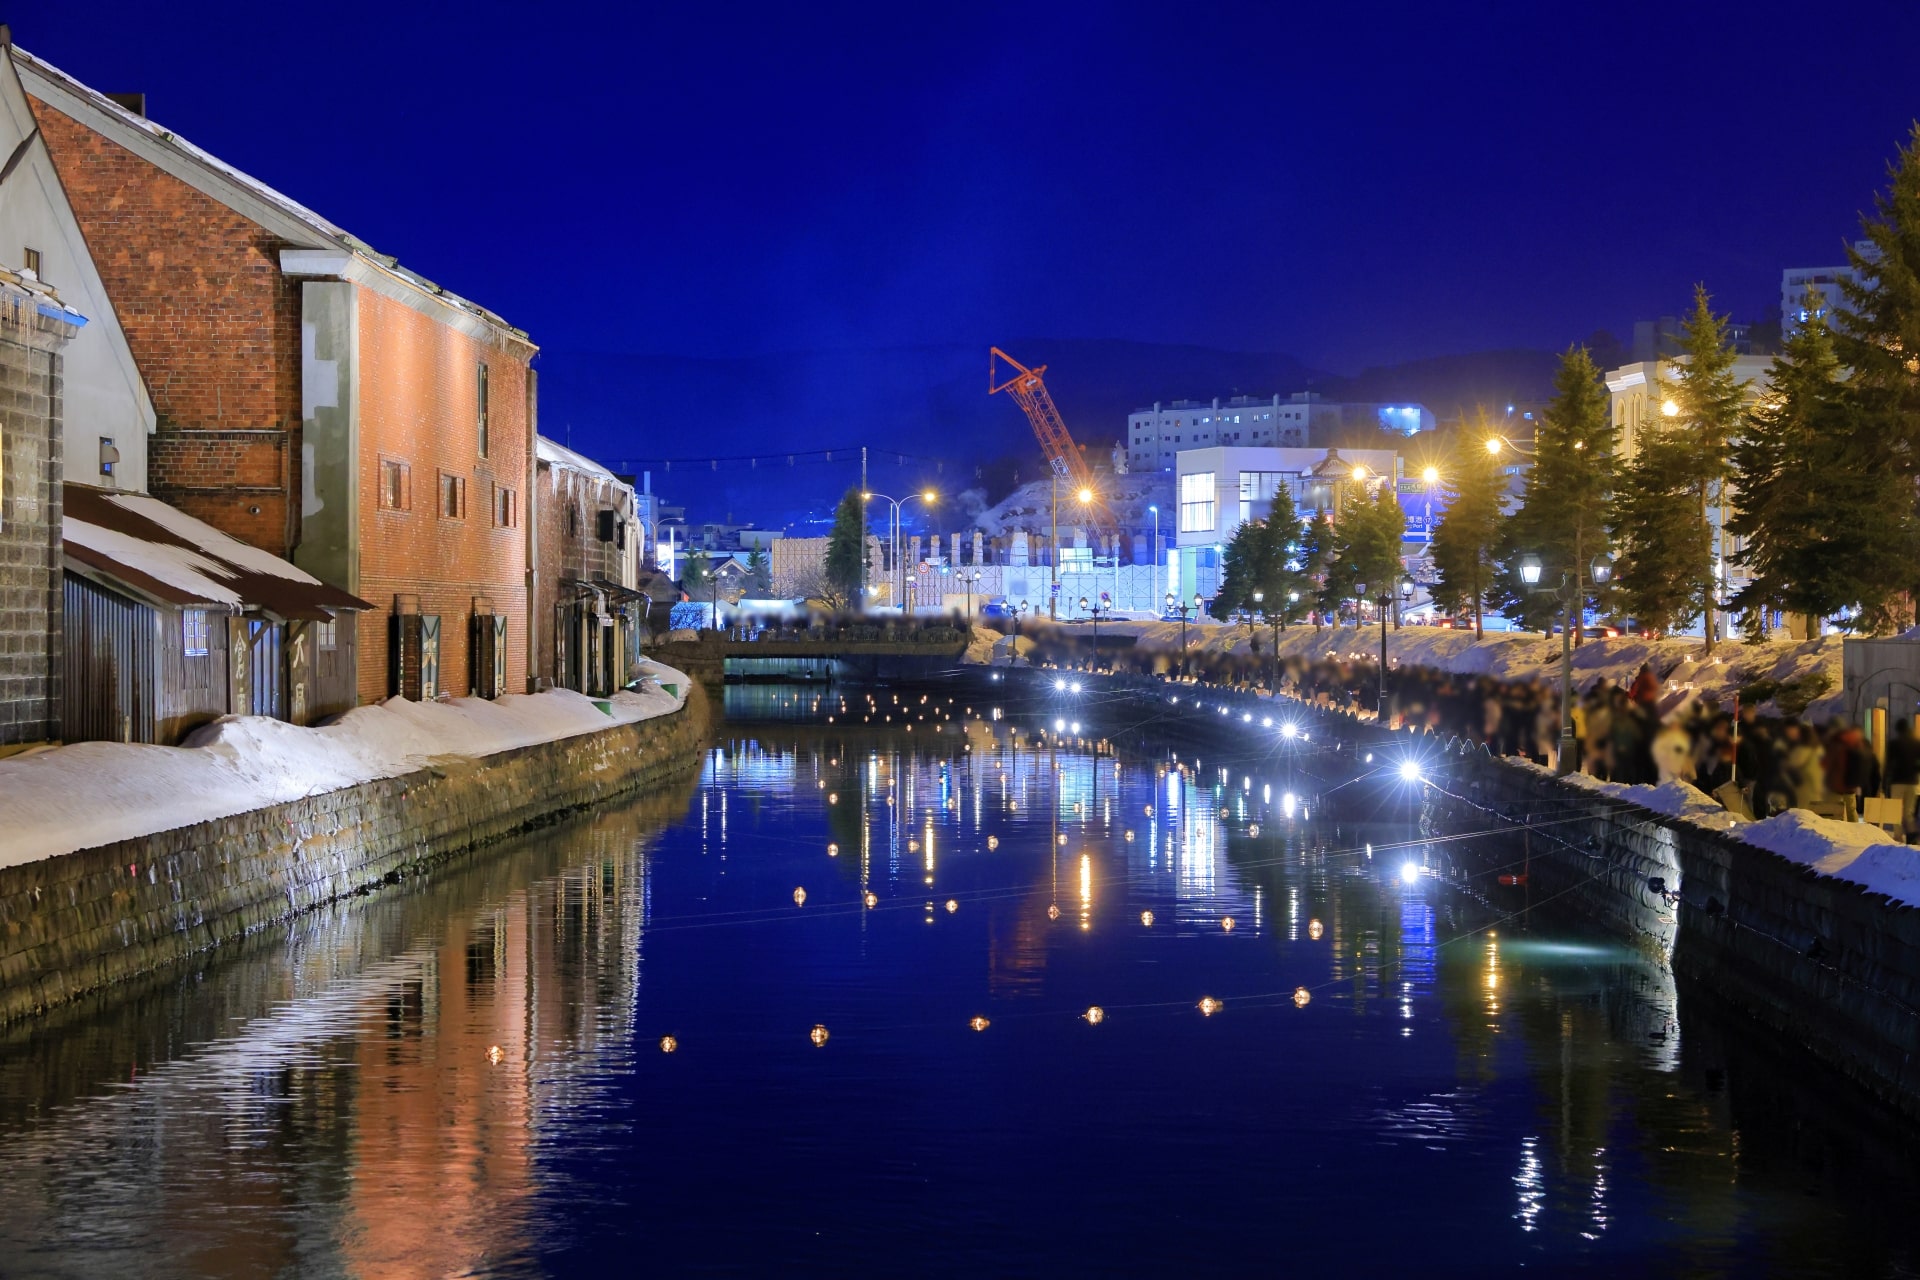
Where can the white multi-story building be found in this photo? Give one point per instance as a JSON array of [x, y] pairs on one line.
[[1157, 435], [1220, 489], [1824, 281]]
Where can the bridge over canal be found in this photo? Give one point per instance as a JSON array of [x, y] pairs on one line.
[[716, 658]]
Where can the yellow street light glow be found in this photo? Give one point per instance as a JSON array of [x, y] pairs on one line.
[[818, 1035], [1095, 1015], [1493, 445], [866, 497], [1085, 496], [1668, 409], [668, 1044], [1360, 472], [928, 495], [1431, 475]]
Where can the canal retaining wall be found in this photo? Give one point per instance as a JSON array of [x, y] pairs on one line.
[[76, 923], [1826, 964]]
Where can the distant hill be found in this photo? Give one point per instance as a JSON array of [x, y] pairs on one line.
[[928, 402]]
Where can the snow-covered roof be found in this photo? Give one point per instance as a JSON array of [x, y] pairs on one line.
[[25, 292], [164, 554], [239, 190], [555, 454]]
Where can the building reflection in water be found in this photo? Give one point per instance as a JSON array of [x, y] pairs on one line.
[[338, 1110]]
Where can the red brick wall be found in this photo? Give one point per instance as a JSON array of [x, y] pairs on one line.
[[418, 404], [213, 324]]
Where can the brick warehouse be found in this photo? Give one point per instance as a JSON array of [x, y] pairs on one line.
[[313, 397]]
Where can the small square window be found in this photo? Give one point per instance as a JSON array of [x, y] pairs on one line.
[[325, 637], [193, 632]]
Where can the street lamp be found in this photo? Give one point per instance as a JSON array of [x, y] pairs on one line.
[[1181, 608], [1095, 610], [1013, 650], [1258, 598], [1431, 477], [927, 496], [971, 579], [906, 597], [1385, 601], [1601, 573]]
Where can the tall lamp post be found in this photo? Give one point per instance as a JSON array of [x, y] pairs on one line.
[[906, 597], [1095, 609], [1155, 551], [927, 496], [972, 580], [1248, 614], [1013, 650], [1573, 602]]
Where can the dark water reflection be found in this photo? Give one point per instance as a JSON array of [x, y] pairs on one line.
[[1462, 1093]]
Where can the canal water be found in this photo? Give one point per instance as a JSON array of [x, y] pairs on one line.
[[1232, 1012]]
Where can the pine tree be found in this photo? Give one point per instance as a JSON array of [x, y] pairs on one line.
[[1366, 546], [1877, 334], [1708, 406], [846, 547], [1285, 576], [759, 575], [1242, 566], [1464, 541], [1828, 525], [1317, 547], [1568, 502], [1664, 542], [694, 577]]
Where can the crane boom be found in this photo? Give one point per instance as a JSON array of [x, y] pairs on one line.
[[1029, 390]]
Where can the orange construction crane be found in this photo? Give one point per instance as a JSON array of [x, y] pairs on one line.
[[1027, 387]]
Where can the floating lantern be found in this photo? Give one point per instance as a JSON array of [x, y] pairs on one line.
[[993, 842], [1129, 837], [1063, 839], [833, 851], [1315, 929], [668, 1044], [833, 797], [1053, 911], [1095, 1015], [952, 906], [1146, 918], [1302, 997], [873, 900], [1254, 831], [799, 897], [1226, 923], [1149, 809], [495, 1054], [978, 1023], [1209, 1006], [913, 846], [818, 1035]]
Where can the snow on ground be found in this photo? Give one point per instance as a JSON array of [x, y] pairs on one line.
[[1851, 851], [92, 793]]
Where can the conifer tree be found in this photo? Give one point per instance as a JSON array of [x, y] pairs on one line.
[[1464, 540], [1317, 545], [1366, 546], [1242, 567], [846, 547], [1709, 403], [1877, 330], [1568, 503]]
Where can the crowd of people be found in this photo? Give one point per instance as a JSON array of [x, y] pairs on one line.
[[1631, 733]]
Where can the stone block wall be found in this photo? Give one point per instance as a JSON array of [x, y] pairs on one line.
[[77, 923], [31, 626]]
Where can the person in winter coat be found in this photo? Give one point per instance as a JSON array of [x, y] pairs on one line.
[[1802, 769], [1673, 754], [1646, 688], [1903, 771]]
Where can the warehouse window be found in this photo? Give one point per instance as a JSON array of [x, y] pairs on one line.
[[193, 632], [396, 485], [480, 392]]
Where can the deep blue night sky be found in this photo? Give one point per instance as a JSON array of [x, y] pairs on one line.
[[1347, 184], [1343, 183]]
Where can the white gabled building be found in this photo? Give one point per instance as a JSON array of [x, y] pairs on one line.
[[107, 414]]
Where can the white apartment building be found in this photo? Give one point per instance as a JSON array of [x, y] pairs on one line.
[[1155, 436], [1219, 489], [1825, 281]]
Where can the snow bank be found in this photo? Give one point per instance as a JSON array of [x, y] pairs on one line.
[[1851, 851], [93, 793]]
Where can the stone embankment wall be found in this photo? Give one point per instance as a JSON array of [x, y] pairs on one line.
[[75, 923], [1831, 967]]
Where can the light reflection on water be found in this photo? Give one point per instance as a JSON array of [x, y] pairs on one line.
[[322, 1100]]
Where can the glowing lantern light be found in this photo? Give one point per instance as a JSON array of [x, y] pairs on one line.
[[668, 1044], [833, 851], [1254, 830], [1315, 929], [1226, 923], [818, 1035], [873, 900], [913, 846], [1209, 1006], [1095, 1015], [799, 897], [1149, 811], [1146, 918], [1302, 997], [978, 1023], [993, 842], [1129, 837], [833, 797], [495, 1054], [952, 906], [1063, 839], [1053, 911]]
